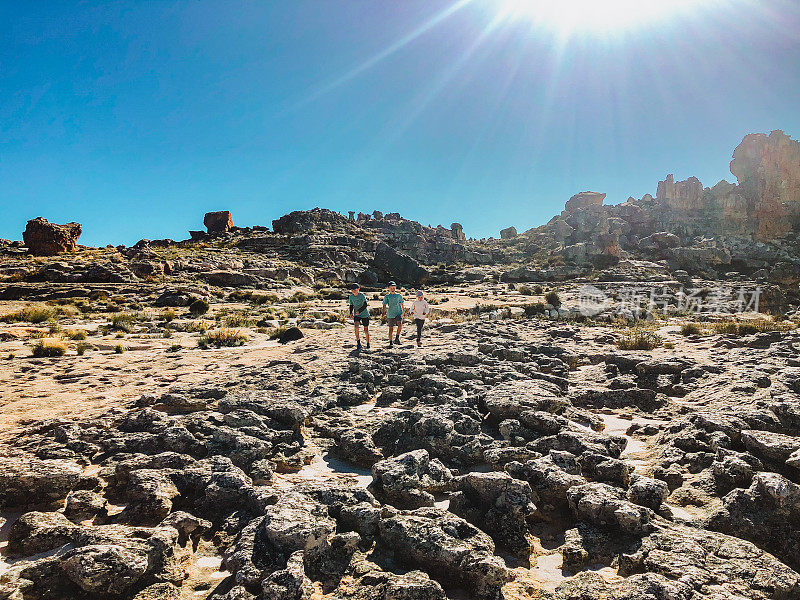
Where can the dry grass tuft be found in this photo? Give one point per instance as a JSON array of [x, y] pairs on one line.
[[638, 338], [222, 337], [48, 348]]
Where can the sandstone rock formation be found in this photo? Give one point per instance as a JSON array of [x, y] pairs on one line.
[[509, 233], [584, 199], [218, 222], [46, 239], [767, 168]]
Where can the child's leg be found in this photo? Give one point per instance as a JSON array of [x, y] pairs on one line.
[[366, 333]]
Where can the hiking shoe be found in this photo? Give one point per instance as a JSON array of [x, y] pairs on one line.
[[419, 344], [397, 340], [367, 346], [390, 344], [358, 345]]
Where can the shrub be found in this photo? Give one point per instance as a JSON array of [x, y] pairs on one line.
[[32, 313], [199, 307], [48, 348], [196, 327], [222, 337], [750, 327], [122, 321], [174, 348], [691, 329], [534, 308], [168, 315], [10, 356], [82, 347], [537, 290], [525, 290], [551, 297], [238, 320], [119, 349], [638, 339], [669, 345], [299, 296], [75, 335]]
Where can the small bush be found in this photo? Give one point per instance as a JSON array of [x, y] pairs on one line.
[[534, 308], [10, 356], [199, 307], [119, 349], [75, 335], [525, 290], [299, 296], [48, 348], [749, 327], [537, 290], [551, 297], [222, 337], [32, 313], [238, 320], [82, 347], [174, 348], [638, 339], [691, 329], [669, 345], [168, 315], [196, 327], [122, 321]]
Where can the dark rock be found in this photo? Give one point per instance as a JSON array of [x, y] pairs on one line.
[[46, 239], [218, 222]]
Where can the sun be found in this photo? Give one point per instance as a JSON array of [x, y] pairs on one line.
[[594, 16]]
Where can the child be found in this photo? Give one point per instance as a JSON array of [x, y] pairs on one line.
[[419, 312], [360, 312], [393, 309]]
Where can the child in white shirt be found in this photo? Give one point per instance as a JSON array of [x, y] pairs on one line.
[[420, 309]]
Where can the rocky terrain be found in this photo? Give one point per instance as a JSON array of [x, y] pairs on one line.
[[605, 407]]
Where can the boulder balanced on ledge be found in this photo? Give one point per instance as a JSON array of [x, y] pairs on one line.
[[584, 199], [46, 239], [219, 221]]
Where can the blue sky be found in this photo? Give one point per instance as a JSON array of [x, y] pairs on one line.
[[135, 118]]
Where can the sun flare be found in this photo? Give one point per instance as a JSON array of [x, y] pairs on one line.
[[599, 16]]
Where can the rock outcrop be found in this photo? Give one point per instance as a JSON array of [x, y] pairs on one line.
[[218, 222], [767, 168], [43, 238], [509, 233]]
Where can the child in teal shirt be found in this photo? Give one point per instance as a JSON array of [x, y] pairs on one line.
[[360, 312], [393, 309]]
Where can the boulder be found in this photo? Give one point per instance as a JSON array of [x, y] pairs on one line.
[[43, 238], [584, 199], [606, 506], [30, 481], [770, 446], [458, 232], [104, 569], [451, 549], [498, 504], [399, 266], [218, 222], [509, 233], [408, 480]]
